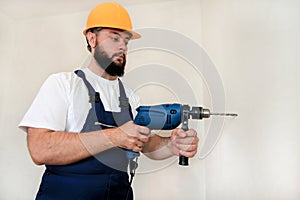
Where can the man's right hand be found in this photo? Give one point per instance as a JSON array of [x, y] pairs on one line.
[[129, 136]]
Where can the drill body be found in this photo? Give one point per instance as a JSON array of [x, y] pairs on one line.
[[159, 117], [167, 117]]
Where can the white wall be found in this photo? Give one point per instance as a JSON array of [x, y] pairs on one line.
[[254, 45], [31, 49]]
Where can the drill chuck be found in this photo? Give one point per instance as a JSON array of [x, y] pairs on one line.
[[205, 113], [199, 113]]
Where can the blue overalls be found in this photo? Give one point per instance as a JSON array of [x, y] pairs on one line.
[[103, 176]]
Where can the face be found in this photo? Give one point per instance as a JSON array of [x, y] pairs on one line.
[[110, 51]]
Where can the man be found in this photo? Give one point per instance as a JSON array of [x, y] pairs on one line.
[[94, 103]]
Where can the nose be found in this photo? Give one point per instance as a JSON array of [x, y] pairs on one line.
[[123, 47]]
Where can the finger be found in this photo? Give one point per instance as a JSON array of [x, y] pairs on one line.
[[191, 133], [144, 130], [188, 148], [188, 154], [143, 139], [186, 140], [139, 143], [190, 138], [179, 133], [137, 148]]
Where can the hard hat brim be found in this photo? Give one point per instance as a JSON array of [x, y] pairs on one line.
[[134, 34]]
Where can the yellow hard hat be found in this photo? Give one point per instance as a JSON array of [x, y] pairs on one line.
[[110, 15]]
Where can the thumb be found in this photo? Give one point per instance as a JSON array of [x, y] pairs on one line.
[[180, 133]]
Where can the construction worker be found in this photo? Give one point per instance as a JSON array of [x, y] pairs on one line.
[[94, 103]]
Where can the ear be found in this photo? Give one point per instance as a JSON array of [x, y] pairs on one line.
[[92, 39]]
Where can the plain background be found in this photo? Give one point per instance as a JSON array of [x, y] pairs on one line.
[[255, 47]]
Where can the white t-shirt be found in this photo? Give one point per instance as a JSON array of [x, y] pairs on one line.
[[62, 104]]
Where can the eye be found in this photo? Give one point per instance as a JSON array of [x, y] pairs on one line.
[[115, 38]]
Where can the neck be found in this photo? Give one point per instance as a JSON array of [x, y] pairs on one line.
[[98, 70]]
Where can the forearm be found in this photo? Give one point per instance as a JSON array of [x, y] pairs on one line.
[[158, 148], [180, 143], [61, 148]]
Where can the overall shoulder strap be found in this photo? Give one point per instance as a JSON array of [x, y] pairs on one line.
[[124, 102], [126, 112], [94, 100], [94, 96]]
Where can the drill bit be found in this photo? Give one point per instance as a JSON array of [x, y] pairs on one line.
[[224, 114], [199, 113]]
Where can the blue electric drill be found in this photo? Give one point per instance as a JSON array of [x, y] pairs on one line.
[[168, 117]]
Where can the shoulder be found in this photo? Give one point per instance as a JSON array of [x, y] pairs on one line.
[[63, 80], [63, 77]]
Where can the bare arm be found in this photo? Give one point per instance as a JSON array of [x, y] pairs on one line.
[[180, 142], [158, 148], [61, 148]]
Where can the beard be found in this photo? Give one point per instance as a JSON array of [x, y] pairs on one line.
[[105, 62]]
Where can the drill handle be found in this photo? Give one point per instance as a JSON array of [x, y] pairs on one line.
[[131, 154], [184, 161]]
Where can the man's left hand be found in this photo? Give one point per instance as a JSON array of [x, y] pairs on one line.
[[184, 143]]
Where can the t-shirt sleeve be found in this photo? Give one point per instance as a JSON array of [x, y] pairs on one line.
[[50, 106]]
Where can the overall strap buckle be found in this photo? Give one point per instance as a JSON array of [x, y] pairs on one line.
[[95, 98]]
